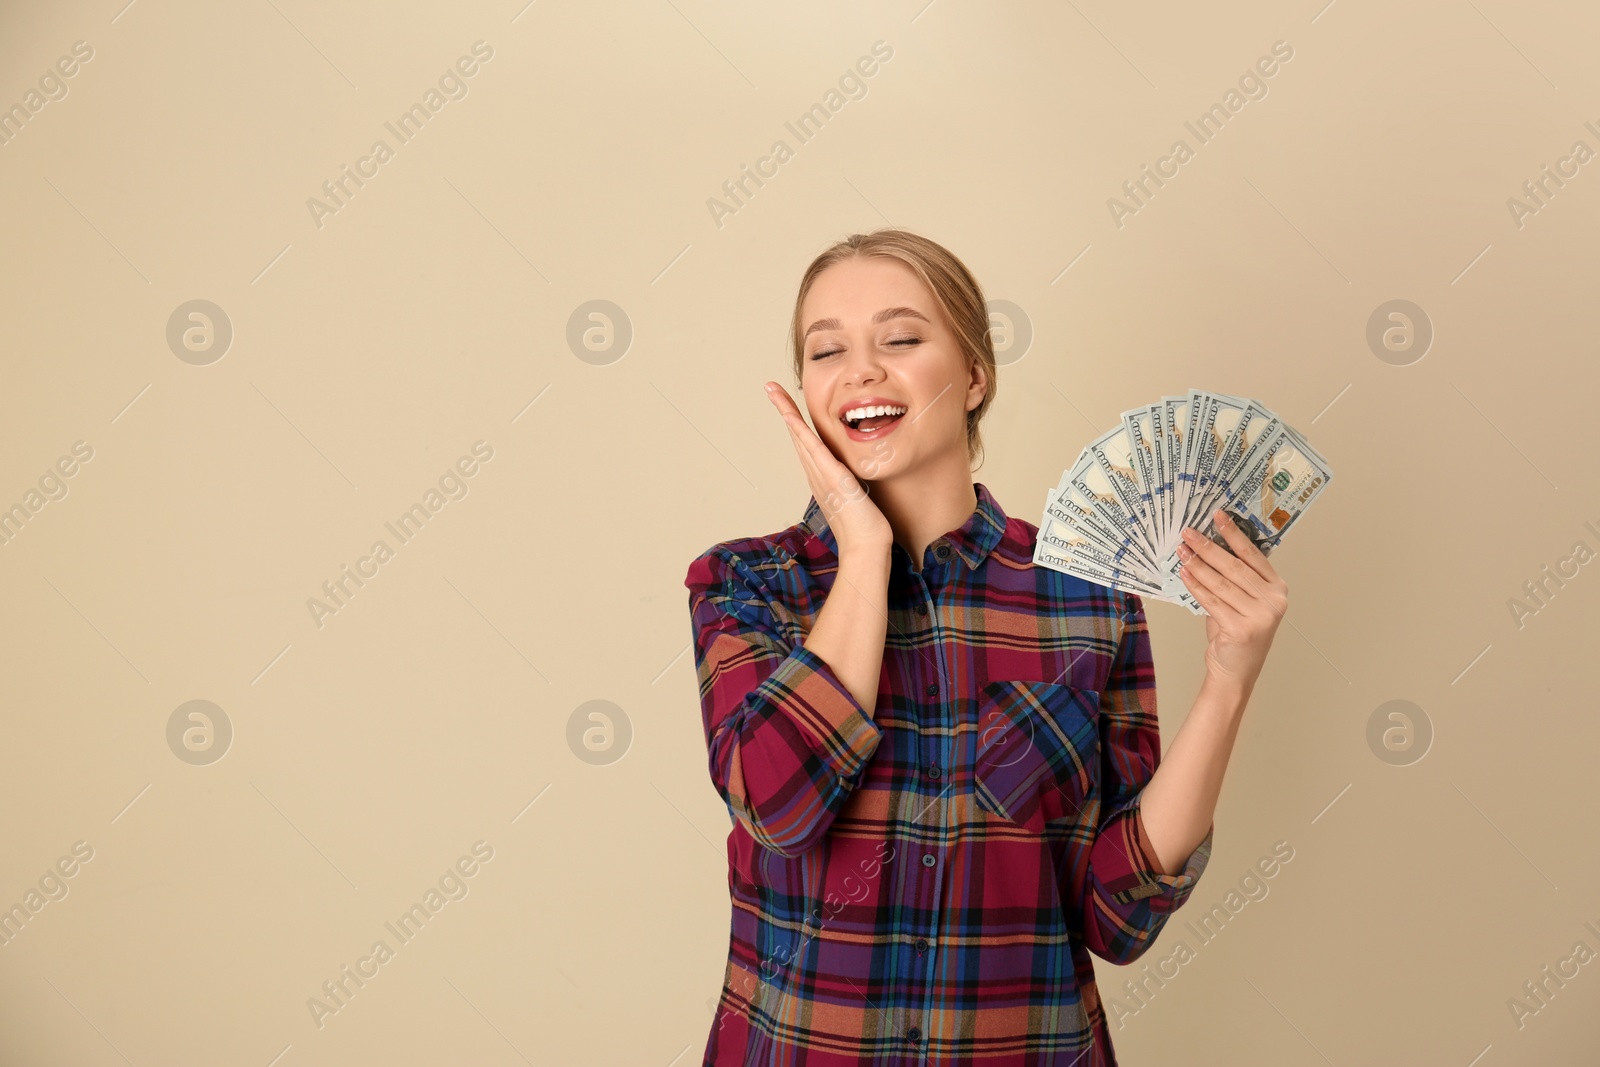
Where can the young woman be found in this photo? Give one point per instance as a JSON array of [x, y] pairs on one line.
[[942, 763]]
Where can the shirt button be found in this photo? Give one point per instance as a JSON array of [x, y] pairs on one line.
[[933, 689], [928, 860], [922, 609], [913, 1035], [933, 770], [942, 552], [922, 944]]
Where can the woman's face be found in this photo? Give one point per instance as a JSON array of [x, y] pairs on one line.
[[853, 352]]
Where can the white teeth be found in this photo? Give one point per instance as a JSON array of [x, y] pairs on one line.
[[855, 414]]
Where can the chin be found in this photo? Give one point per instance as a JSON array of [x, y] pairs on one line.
[[871, 469], [865, 478]]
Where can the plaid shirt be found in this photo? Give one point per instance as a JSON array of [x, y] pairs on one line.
[[925, 884]]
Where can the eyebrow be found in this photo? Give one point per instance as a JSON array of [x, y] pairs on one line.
[[882, 316]]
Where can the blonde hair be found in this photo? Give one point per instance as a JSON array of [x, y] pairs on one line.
[[957, 292]]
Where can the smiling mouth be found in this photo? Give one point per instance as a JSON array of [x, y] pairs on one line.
[[877, 421]]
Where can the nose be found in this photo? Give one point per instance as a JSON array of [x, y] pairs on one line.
[[863, 365]]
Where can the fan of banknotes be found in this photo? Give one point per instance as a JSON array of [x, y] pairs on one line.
[[1116, 516]]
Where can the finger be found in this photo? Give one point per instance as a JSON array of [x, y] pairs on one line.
[[779, 396], [831, 471], [808, 463], [790, 412], [789, 409], [1225, 562], [1260, 578], [832, 483], [1223, 588], [804, 437], [807, 445], [791, 417], [1213, 604], [1244, 549], [784, 403]]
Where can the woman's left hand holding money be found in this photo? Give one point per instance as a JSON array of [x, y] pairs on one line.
[[1244, 598]]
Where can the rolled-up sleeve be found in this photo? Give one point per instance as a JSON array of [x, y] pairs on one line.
[[787, 742], [1127, 899]]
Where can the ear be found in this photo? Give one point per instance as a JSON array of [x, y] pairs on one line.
[[978, 385]]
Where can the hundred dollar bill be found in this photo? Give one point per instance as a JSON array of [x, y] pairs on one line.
[[1247, 424], [1277, 489], [1067, 506], [1213, 450], [1175, 435], [1088, 484], [1101, 563], [1139, 427], [1112, 455], [1201, 415], [1237, 452], [1059, 547], [1275, 485]]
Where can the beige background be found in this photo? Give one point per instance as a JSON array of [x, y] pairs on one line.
[[431, 311]]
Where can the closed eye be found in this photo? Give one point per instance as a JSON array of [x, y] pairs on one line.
[[902, 341]]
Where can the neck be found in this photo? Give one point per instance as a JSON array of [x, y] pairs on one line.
[[925, 507]]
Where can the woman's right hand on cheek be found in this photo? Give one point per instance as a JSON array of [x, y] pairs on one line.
[[857, 522]]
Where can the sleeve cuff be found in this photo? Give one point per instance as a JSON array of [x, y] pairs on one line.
[[1166, 892], [805, 687]]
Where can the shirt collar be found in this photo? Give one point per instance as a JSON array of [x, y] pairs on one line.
[[973, 540]]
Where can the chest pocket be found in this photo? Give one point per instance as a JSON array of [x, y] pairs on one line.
[[1036, 739]]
